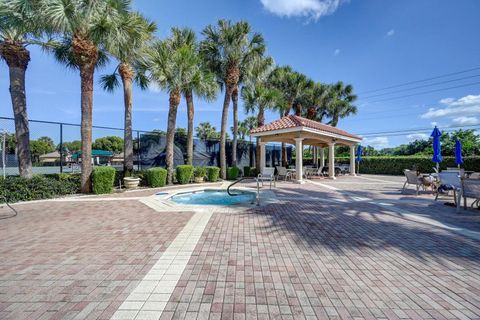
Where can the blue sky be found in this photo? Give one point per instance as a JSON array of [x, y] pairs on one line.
[[371, 44]]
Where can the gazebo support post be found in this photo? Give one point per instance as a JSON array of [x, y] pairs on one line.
[[315, 158], [263, 158], [322, 157], [352, 160], [331, 160], [299, 160]]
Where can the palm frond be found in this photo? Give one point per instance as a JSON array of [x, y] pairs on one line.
[[109, 82]]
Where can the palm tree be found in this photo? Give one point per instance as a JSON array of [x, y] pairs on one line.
[[21, 24], [260, 98], [203, 84], [228, 49], [128, 52], [247, 125], [89, 29], [342, 104], [173, 69], [317, 98], [293, 86], [205, 130]]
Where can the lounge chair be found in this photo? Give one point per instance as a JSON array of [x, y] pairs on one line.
[[471, 189], [416, 180], [449, 181], [268, 174], [282, 173]]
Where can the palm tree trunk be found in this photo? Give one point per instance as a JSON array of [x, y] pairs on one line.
[[126, 72], [86, 53], [86, 102], [190, 115], [260, 122], [174, 101], [235, 125], [284, 147], [223, 131], [17, 58]]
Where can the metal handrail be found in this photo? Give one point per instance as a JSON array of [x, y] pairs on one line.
[[242, 179]]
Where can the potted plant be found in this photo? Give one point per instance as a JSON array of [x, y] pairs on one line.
[[131, 182], [199, 174]]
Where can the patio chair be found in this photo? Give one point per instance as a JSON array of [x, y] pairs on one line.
[[416, 180], [471, 189], [268, 174], [283, 173], [448, 181]]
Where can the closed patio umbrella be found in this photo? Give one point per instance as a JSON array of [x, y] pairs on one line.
[[359, 156], [458, 153], [437, 153]]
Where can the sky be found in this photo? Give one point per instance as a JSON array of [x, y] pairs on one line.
[[371, 44]]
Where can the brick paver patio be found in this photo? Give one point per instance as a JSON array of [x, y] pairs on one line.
[[325, 250]]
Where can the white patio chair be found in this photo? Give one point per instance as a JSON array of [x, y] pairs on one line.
[[268, 174], [471, 189], [283, 173], [450, 180], [416, 180]]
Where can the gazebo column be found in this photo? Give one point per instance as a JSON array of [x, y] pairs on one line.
[[331, 160], [352, 160], [315, 156], [322, 157], [263, 156], [299, 160]]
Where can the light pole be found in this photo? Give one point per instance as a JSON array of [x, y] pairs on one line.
[[4, 138]]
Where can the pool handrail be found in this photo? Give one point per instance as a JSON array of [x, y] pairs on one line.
[[242, 179]]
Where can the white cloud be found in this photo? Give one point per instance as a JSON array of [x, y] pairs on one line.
[[465, 121], [336, 52], [417, 136], [466, 106], [312, 9], [390, 33], [377, 143]]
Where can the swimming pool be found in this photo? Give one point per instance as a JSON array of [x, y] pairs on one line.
[[214, 197]]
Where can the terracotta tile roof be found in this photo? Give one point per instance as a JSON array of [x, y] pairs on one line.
[[293, 121]]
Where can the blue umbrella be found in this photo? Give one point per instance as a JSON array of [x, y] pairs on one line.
[[437, 154], [359, 153], [359, 157], [458, 153]]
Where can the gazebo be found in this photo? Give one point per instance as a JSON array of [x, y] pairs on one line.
[[301, 131]]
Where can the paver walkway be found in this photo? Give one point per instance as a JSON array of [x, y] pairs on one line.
[[301, 258]]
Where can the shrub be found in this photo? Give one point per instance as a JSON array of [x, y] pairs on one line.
[[200, 172], [184, 173], [156, 177], [394, 165], [103, 179], [16, 188], [212, 174], [249, 171], [233, 173]]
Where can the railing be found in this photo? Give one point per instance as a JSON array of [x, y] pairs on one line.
[[240, 180]]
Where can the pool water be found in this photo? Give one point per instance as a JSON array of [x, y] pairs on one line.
[[214, 197]]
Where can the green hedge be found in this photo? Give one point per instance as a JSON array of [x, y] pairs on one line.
[[395, 165], [184, 173], [233, 173], [200, 172], [103, 179], [16, 188], [212, 174], [156, 177]]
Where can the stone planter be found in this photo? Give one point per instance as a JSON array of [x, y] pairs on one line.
[[131, 182], [198, 179]]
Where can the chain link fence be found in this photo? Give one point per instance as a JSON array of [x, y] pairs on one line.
[[55, 148]]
